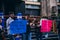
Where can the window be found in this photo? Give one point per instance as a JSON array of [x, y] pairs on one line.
[[58, 0], [33, 12], [32, 6], [20, 7], [58, 10], [59, 7], [39, 0]]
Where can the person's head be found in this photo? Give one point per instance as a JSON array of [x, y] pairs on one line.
[[0, 20], [50, 18], [27, 16], [45, 17], [19, 16], [11, 14]]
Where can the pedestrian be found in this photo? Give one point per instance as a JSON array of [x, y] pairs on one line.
[[37, 30], [58, 27], [46, 25], [41, 33], [19, 17], [28, 29], [1, 30], [8, 21]]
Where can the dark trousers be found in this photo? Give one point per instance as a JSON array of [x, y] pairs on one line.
[[24, 36], [41, 38], [38, 34], [10, 37], [27, 36], [59, 34], [1, 38]]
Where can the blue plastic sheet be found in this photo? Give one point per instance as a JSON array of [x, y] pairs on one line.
[[18, 26]]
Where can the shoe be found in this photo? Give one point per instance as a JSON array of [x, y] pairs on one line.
[[46, 36]]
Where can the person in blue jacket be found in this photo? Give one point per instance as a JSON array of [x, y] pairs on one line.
[[1, 30]]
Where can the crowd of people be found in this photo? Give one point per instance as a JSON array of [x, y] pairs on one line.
[[37, 24]]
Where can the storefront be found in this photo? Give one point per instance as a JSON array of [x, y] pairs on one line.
[[32, 10]]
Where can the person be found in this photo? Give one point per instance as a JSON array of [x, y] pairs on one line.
[[58, 27], [1, 30], [41, 33], [19, 17], [37, 29], [46, 25], [28, 29], [8, 21]]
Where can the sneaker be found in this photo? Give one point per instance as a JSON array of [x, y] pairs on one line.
[[46, 36]]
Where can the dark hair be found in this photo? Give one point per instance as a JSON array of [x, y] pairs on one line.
[[50, 18], [36, 21], [45, 17], [11, 13], [0, 17]]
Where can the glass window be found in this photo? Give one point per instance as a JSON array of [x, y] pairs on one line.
[[59, 7], [33, 12], [32, 6], [58, 0], [58, 10], [20, 7], [39, 0]]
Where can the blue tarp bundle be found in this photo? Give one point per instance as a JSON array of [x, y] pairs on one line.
[[18, 26]]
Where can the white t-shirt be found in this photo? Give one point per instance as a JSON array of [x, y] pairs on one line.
[[9, 20]]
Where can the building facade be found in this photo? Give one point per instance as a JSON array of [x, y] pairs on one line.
[[34, 7], [28, 7]]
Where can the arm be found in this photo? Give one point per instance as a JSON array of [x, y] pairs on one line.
[[7, 24]]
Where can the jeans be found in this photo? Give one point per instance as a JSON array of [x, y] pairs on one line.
[[23, 36], [10, 37], [59, 34], [28, 36], [46, 35], [41, 36], [17, 38], [37, 36]]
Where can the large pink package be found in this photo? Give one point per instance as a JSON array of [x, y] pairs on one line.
[[46, 26]]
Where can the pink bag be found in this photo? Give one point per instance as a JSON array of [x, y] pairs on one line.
[[46, 25]]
